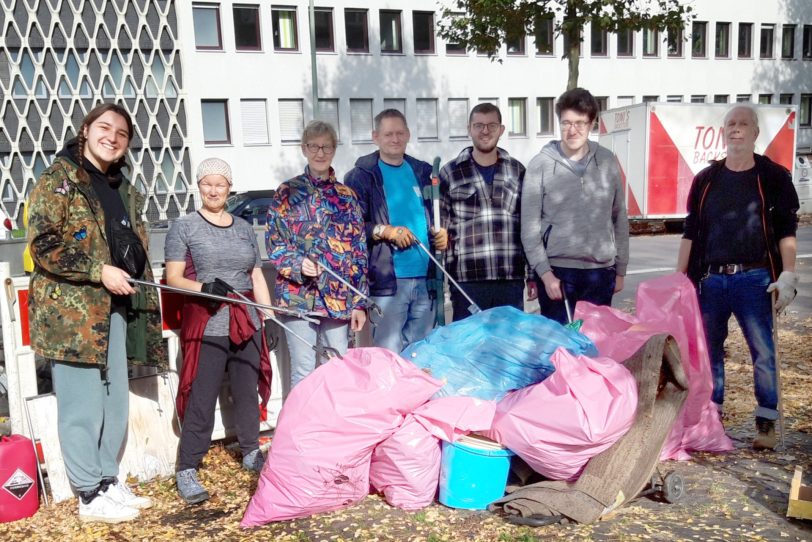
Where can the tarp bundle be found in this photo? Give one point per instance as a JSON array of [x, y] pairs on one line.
[[494, 351]]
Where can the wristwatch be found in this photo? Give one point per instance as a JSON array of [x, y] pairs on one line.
[[377, 231]]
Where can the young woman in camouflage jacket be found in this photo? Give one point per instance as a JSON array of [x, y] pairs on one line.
[[84, 226]]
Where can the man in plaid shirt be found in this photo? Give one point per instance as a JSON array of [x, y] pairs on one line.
[[481, 190]]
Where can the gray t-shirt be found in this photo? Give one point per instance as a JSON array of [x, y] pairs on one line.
[[577, 166], [229, 253]]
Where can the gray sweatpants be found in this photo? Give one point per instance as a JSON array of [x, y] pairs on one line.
[[93, 406]]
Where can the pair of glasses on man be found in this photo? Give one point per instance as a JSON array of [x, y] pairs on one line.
[[326, 149], [579, 125], [480, 126]]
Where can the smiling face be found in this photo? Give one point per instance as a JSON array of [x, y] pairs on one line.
[[391, 137], [214, 192], [485, 131], [319, 151], [106, 140], [741, 131]]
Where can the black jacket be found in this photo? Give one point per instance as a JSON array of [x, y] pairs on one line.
[[366, 180], [779, 204]]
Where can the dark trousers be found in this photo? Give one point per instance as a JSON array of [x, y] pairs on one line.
[[216, 355], [594, 285], [487, 294]]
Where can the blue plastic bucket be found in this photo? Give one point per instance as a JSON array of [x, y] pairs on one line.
[[473, 473]]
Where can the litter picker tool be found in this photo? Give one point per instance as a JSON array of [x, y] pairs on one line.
[[439, 283], [324, 351], [372, 305], [302, 315], [473, 308], [773, 299]]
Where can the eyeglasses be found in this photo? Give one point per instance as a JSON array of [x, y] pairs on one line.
[[579, 125], [480, 126], [212, 187], [326, 149]]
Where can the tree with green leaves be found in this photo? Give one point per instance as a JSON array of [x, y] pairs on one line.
[[484, 25]]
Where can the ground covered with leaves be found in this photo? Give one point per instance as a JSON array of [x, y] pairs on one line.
[[739, 496]]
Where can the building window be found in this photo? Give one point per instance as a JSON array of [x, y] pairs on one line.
[[291, 120], [675, 39], [765, 49], [603, 105], [625, 43], [743, 98], [805, 116], [623, 101], [544, 107], [544, 36], [246, 28], [427, 119], [391, 36], [215, 122], [517, 118], [788, 41], [651, 44], [699, 39], [361, 120], [785, 99], [356, 30], [722, 48], [207, 26], [328, 112], [423, 28], [653, 98], [745, 40], [599, 45], [674, 99], [515, 43], [254, 116], [458, 117], [721, 98], [698, 98], [765, 98], [324, 29], [806, 54], [285, 36], [395, 103]]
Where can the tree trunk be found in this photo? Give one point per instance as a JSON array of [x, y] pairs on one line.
[[573, 32]]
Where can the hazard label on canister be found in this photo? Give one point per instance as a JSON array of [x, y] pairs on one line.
[[18, 484]]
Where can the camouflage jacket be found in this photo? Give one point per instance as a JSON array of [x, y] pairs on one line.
[[69, 308]]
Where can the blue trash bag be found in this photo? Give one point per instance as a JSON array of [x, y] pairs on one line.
[[492, 352]]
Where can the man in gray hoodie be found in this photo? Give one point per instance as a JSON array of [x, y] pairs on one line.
[[574, 226]]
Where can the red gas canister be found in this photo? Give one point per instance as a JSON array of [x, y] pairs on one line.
[[19, 497]]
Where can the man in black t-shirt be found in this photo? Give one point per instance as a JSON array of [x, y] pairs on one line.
[[739, 246]]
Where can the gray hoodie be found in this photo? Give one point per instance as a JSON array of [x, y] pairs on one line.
[[574, 221]]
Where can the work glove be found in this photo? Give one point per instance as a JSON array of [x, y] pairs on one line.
[[400, 236], [440, 238], [786, 285], [216, 287]]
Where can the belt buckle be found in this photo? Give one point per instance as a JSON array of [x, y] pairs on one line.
[[731, 268]]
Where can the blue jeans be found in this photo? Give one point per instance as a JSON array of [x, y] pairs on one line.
[[487, 294], [744, 295], [328, 332], [408, 316], [594, 285]]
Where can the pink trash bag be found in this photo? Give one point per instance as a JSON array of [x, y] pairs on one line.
[[406, 466], [580, 410], [328, 427], [666, 305]]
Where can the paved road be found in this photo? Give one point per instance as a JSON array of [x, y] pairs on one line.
[[653, 256]]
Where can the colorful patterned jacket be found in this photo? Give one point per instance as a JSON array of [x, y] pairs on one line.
[[69, 308], [321, 218]]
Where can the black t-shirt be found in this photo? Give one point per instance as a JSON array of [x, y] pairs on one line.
[[487, 172], [733, 212]]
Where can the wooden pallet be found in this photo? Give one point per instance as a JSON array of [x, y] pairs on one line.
[[800, 497]]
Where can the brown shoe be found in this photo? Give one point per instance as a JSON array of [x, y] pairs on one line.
[[765, 439]]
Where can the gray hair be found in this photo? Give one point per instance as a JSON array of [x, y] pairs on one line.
[[743, 105], [318, 128]]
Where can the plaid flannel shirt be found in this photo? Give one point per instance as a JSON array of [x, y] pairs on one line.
[[483, 222]]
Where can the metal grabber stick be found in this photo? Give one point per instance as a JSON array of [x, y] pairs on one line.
[[324, 351], [372, 305], [773, 299], [473, 308]]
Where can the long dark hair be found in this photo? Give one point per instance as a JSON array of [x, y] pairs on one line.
[[90, 118]]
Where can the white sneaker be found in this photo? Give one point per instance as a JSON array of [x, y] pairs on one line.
[[122, 494], [104, 509]]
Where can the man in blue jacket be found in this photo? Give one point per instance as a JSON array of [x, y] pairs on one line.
[[393, 191]]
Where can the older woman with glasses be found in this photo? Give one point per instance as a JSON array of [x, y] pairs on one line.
[[315, 222]]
